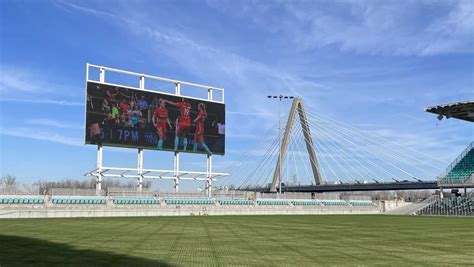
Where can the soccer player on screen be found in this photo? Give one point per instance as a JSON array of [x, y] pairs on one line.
[[160, 120], [95, 114], [199, 133], [184, 122]]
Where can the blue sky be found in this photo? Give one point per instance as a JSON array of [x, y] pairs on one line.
[[371, 64]]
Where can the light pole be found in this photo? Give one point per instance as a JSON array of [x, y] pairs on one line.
[[280, 97]]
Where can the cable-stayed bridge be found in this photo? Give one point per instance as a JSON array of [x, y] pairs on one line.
[[315, 153]]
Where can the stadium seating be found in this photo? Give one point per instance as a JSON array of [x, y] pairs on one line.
[[361, 203], [78, 200], [236, 202], [305, 202], [21, 200], [189, 201], [272, 202], [461, 171], [334, 202], [463, 206], [123, 200]]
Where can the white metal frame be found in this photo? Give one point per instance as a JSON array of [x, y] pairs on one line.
[[140, 172]]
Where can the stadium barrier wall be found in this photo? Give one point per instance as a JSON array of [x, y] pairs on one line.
[[175, 210]]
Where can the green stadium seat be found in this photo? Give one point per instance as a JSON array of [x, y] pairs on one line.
[[462, 170], [272, 202], [304, 202], [188, 201], [73, 200], [460, 206], [121, 201], [235, 202]]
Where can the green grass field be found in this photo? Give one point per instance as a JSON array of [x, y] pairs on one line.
[[240, 240]]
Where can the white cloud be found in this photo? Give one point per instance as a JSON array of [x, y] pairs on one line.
[[250, 78], [20, 79], [239, 113], [393, 28], [54, 123], [42, 136], [43, 101], [26, 85], [455, 31], [366, 27], [83, 9]]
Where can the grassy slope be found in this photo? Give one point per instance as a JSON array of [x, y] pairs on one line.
[[240, 240]]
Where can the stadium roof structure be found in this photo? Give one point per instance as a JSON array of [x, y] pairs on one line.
[[463, 110]]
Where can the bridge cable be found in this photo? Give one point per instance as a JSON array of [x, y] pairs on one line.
[[366, 141]]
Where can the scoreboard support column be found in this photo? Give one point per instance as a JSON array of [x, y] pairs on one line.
[[209, 178], [140, 170], [98, 183], [176, 172]]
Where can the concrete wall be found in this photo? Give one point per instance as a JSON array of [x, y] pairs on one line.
[[56, 211], [387, 205]]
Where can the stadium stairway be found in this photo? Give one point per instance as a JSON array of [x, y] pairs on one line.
[[412, 208]]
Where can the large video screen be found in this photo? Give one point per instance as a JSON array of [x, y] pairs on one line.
[[124, 117]]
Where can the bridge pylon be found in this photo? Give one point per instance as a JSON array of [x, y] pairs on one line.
[[297, 109]]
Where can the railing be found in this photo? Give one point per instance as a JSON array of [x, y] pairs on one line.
[[459, 206], [183, 195], [142, 77], [14, 190], [423, 204], [232, 195], [470, 194], [74, 192], [457, 160], [430, 199], [299, 195], [129, 192]]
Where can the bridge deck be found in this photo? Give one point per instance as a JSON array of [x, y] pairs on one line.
[[362, 187]]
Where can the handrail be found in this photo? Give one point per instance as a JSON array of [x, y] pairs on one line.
[[154, 77], [457, 160]]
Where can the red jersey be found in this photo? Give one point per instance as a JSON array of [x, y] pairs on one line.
[[161, 113], [200, 122], [185, 109], [201, 116], [124, 106]]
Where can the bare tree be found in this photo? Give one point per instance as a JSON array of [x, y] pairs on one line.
[[45, 186], [8, 180]]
